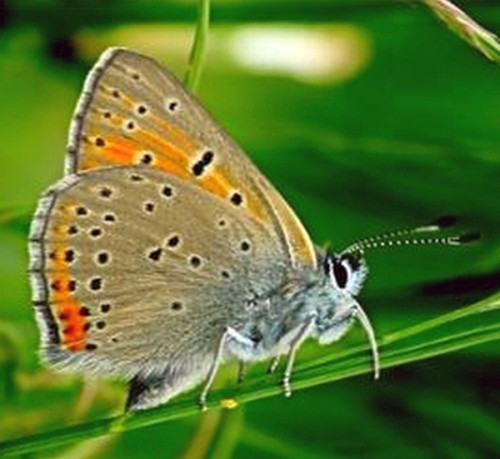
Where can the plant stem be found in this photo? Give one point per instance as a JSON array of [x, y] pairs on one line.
[[466, 28], [197, 55]]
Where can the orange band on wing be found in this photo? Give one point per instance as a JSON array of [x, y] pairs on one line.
[[119, 150], [118, 95], [255, 208], [171, 167], [117, 121], [216, 184], [88, 164], [162, 147], [184, 141], [73, 333], [72, 325]]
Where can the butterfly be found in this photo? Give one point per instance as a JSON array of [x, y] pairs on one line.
[[164, 251]]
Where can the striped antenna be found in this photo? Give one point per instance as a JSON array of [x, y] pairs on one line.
[[403, 237]]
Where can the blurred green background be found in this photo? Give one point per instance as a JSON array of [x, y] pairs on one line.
[[368, 116]]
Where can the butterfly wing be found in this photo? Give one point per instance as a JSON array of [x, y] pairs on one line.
[[132, 111], [135, 269]]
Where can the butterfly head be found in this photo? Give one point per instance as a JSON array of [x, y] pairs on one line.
[[346, 271], [343, 274]]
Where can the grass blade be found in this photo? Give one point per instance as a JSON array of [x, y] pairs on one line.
[[199, 46], [466, 28], [408, 345]]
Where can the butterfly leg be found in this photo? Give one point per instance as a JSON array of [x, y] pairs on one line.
[[367, 326], [228, 333], [241, 371], [273, 365], [296, 341], [213, 369]]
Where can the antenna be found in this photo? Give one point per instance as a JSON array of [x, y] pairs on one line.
[[408, 236]]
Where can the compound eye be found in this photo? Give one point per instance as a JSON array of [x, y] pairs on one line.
[[341, 273]]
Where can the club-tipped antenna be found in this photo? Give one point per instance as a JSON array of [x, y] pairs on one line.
[[403, 237]]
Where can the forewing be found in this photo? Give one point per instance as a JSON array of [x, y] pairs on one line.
[[134, 268], [132, 111]]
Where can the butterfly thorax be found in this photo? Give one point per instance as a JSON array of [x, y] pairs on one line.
[[271, 320]]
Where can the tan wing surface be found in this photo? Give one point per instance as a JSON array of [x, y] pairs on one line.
[[131, 266], [132, 111]]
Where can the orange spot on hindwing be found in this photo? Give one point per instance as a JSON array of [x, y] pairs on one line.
[[72, 324]]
